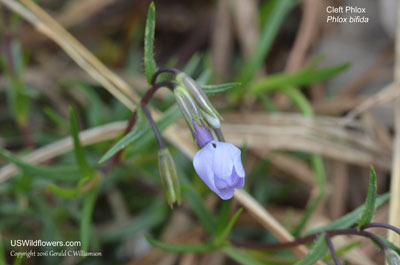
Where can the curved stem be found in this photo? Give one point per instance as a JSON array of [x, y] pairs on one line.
[[151, 91], [164, 70], [310, 238], [332, 249], [146, 111], [381, 225]]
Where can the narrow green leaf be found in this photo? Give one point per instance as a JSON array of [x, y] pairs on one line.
[[150, 66], [153, 216], [86, 218], [343, 250], [303, 77], [139, 130], [369, 206], [351, 218], [204, 215], [171, 115], [223, 216], [63, 173], [198, 248], [215, 89], [78, 149], [2, 256], [316, 253], [225, 233], [56, 118], [307, 214], [240, 256], [18, 260], [64, 192], [390, 244], [280, 10], [192, 65]]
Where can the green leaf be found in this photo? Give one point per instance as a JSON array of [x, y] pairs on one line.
[[171, 115], [198, 248], [343, 250], [316, 253], [215, 89], [307, 214], [280, 10], [2, 256], [150, 66], [351, 218], [64, 192], [63, 173], [369, 206], [305, 76], [390, 244], [223, 216], [154, 215], [197, 205], [80, 156], [225, 233], [139, 130], [56, 118], [240, 256], [86, 218]]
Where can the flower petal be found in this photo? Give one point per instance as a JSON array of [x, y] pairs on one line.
[[222, 163], [238, 165], [226, 194], [202, 162]]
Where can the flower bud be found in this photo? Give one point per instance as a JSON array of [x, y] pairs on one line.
[[207, 109], [202, 134], [392, 257], [169, 177], [188, 106]]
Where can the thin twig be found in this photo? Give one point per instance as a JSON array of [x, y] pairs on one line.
[[332, 250], [382, 225]]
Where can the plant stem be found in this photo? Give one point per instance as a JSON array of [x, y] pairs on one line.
[[146, 111], [152, 90], [332, 249], [310, 238], [382, 225], [164, 70]]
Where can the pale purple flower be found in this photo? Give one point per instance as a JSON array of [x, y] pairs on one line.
[[219, 165]]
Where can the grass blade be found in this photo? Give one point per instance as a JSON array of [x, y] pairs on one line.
[[2, 256], [150, 66], [140, 129], [279, 10], [225, 232], [63, 173], [80, 156], [241, 257], [86, 218], [369, 206], [316, 253], [351, 218], [304, 77]]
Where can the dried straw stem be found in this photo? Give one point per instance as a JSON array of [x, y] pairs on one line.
[[394, 210]]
